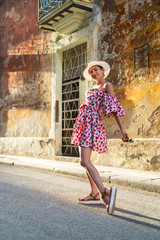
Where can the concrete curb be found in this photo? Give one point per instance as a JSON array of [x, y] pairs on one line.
[[144, 180]]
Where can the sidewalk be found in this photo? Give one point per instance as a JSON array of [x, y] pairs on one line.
[[145, 180]]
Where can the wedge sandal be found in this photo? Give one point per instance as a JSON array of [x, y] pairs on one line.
[[110, 206], [93, 200]]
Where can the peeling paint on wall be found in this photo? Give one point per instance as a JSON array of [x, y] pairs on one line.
[[154, 119], [126, 26], [26, 65], [26, 73], [13, 14]]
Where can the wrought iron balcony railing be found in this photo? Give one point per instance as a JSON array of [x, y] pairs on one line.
[[65, 16], [47, 6]]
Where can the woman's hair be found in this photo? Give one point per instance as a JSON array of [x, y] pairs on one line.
[[100, 67]]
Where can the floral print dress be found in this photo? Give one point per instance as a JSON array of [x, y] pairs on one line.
[[88, 129]]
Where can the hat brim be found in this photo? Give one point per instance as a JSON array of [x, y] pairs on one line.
[[103, 64]]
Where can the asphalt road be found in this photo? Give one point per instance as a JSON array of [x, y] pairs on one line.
[[42, 205]]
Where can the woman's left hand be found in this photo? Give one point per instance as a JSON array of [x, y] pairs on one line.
[[125, 135]]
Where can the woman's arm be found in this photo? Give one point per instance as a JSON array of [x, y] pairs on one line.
[[110, 90], [118, 120]]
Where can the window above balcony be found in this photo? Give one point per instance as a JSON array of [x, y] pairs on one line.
[[64, 16]]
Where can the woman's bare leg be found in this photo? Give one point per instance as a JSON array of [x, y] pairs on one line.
[[94, 189], [94, 178]]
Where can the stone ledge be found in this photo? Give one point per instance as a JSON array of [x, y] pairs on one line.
[[28, 146], [142, 154]]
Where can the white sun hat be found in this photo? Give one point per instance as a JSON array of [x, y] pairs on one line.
[[103, 64]]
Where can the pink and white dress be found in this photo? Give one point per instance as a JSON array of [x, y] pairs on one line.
[[88, 129]]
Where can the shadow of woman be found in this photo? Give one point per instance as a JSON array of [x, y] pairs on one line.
[[129, 218], [136, 221]]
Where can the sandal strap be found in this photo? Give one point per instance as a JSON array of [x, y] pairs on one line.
[[94, 195], [105, 194]]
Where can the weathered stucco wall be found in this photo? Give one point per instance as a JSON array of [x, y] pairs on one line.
[[129, 40], [126, 34], [25, 71]]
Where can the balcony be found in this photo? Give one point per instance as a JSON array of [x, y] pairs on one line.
[[64, 16]]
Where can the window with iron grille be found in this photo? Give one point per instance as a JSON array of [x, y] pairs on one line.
[[74, 62]]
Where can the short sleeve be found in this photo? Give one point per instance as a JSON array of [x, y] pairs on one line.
[[111, 104]]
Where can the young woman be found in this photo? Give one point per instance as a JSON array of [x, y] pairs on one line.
[[89, 132]]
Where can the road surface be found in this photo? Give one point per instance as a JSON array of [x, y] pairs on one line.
[[42, 205]]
